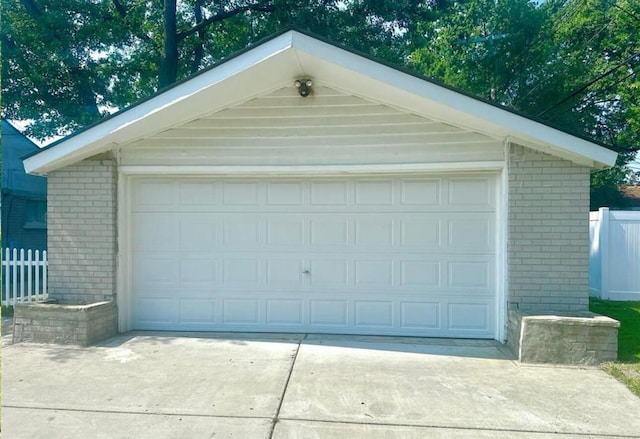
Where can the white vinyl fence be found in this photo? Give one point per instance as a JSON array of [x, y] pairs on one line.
[[614, 258], [24, 276]]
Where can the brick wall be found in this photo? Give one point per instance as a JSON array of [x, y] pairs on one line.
[[81, 220], [65, 324], [548, 234]]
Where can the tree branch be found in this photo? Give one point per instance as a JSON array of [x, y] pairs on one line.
[[626, 11], [120, 8], [223, 15], [122, 11]]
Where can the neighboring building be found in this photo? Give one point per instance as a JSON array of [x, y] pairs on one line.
[[24, 197], [632, 195], [382, 203]]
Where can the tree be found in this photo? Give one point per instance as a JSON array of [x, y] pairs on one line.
[[572, 64], [567, 62], [68, 63]]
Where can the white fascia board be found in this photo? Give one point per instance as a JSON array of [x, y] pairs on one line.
[[172, 107], [377, 81]]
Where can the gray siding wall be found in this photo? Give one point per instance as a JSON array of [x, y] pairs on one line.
[[548, 234], [81, 219]]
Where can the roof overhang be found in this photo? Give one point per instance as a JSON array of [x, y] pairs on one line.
[[277, 63]]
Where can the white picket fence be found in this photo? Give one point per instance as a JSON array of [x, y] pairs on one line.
[[24, 276], [614, 258]]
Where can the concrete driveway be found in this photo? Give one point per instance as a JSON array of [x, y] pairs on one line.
[[164, 385]]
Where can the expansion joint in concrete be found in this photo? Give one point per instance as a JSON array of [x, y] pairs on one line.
[[276, 418]]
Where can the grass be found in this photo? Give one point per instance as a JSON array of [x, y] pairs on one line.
[[627, 369]]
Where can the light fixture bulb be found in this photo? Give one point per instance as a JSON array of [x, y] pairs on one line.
[[303, 86]]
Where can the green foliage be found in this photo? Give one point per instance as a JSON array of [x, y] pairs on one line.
[[68, 63], [628, 314], [567, 62], [572, 64]]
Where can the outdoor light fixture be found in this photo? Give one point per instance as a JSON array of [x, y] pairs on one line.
[[303, 86]]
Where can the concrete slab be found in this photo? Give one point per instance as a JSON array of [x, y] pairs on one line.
[[459, 387], [324, 430], [64, 424], [152, 385], [159, 374]]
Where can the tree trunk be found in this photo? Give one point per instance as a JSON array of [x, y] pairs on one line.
[[169, 62], [198, 52]]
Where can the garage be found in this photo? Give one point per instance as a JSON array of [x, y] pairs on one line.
[[374, 202], [387, 254]]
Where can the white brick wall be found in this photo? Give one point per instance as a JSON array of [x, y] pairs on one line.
[[81, 216], [548, 235]]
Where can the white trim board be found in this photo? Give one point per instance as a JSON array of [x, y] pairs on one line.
[[315, 169]]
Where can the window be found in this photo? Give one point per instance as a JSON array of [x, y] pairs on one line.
[[35, 214]]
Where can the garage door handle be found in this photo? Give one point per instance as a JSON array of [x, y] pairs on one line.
[[306, 272]]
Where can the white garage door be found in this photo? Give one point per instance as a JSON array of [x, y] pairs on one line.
[[385, 255]]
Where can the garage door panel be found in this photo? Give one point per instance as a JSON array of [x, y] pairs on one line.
[[329, 232], [421, 274], [421, 192], [194, 270], [374, 273], [284, 232], [153, 310], [420, 315], [328, 193], [197, 311], [285, 193], [285, 271], [284, 312], [198, 234], [154, 193], [471, 192], [241, 232], [376, 233], [471, 234], [474, 275], [401, 315], [241, 271], [155, 270], [373, 314], [329, 272], [198, 193], [469, 316], [374, 193], [155, 232], [241, 312], [244, 193], [392, 255], [328, 313]]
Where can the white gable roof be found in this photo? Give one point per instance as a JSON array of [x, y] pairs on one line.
[[281, 60]]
